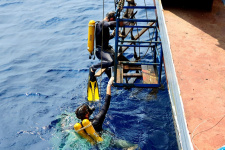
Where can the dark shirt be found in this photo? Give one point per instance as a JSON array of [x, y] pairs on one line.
[[98, 120], [106, 33]]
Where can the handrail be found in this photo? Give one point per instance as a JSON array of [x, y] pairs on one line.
[[139, 7]]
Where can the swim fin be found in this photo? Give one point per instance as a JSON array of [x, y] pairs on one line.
[[92, 89]]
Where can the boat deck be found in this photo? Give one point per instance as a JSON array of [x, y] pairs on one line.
[[197, 40]]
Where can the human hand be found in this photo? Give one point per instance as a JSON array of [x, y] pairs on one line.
[[111, 81], [121, 24], [114, 32], [122, 35]]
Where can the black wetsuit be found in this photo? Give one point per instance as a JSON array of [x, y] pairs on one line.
[[98, 120], [106, 55], [106, 33]]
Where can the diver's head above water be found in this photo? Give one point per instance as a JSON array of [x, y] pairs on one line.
[[84, 111]]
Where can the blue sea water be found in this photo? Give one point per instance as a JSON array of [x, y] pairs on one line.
[[43, 72]]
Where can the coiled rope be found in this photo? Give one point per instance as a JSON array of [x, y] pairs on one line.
[[192, 136]]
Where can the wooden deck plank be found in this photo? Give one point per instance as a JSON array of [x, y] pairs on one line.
[[149, 74], [132, 74], [100, 72], [119, 77], [128, 67]]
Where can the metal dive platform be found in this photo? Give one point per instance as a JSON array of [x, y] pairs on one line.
[[136, 71], [133, 71]]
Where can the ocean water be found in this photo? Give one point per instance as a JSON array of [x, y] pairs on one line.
[[43, 77]]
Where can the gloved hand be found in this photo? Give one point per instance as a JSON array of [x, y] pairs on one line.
[[114, 32], [111, 81]]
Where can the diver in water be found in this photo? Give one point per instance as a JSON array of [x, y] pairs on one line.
[[84, 112]]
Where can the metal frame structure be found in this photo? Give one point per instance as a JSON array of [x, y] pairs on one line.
[[182, 133], [120, 47]]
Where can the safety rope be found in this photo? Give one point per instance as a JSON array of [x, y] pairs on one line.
[[148, 47], [192, 136], [84, 127], [99, 103], [139, 43], [147, 17], [148, 34]]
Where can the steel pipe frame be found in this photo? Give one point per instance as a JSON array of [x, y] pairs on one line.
[[116, 47], [134, 41], [139, 7], [137, 20], [137, 85], [138, 63], [139, 26], [134, 45]]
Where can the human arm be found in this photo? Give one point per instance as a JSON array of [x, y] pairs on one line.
[[108, 89], [113, 25], [100, 117], [98, 120]]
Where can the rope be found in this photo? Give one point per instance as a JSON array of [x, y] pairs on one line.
[[149, 44], [148, 34], [147, 18], [192, 139], [84, 127], [139, 41], [99, 103]]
